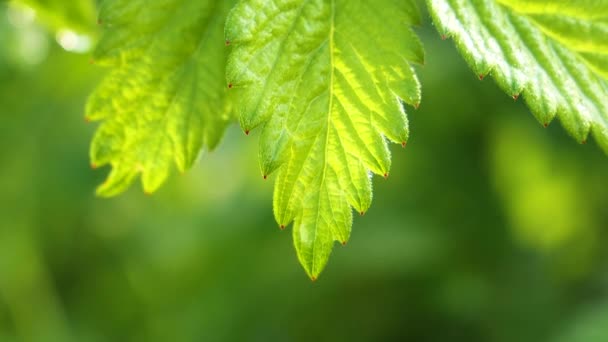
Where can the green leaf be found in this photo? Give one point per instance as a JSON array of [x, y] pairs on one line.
[[165, 97], [554, 53], [326, 80], [62, 14]]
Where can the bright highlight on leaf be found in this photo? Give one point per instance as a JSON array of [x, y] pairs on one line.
[[553, 52], [165, 97], [326, 80]]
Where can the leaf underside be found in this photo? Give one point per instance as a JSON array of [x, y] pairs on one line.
[[165, 98], [554, 53], [326, 80]]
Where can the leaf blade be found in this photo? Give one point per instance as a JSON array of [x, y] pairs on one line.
[[164, 100], [327, 88], [540, 49]]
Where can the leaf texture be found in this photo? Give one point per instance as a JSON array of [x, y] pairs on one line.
[[165, 98], [554, 53], [326, 80]]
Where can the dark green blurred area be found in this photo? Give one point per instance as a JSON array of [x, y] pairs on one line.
[[490, 227]]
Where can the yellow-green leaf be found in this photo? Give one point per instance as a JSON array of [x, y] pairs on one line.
[[165, 98], [326, 81]]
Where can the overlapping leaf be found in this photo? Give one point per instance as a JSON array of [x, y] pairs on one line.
[[165, 97], [326, 80], [553, 52]]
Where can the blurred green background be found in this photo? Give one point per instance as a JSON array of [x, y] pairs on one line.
[[490, 228]]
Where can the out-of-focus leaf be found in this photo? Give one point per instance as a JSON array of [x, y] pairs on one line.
[[77, 15]]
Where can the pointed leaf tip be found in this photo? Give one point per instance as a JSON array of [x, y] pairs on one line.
[[274, 91]]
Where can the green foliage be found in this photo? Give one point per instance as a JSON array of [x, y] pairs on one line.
[[59, 14], [164, 99], [327, 82], [445, 254], [554, 53]]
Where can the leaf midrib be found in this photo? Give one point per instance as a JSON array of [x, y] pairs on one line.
[[329, 117]]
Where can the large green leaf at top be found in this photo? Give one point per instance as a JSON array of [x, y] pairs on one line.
[[326, 80], [553, 52], [165, 98]]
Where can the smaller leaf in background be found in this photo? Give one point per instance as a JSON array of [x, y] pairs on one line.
[[78, 16], [328, 82], [554, 53], [544, 197], [164, 99]]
